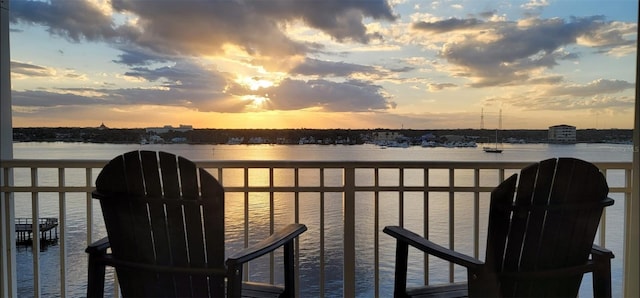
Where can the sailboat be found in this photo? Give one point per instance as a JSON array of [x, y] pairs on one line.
[[495, 149]]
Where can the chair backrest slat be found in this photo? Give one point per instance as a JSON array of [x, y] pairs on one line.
[[133, 173], [169, 171], [498, 226], [152, 184], [193, 223]]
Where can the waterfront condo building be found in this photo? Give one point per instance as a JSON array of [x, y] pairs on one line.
[[563, 133]]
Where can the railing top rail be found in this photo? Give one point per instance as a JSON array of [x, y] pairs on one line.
[[95, 163]]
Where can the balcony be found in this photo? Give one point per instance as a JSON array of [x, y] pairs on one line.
[[344, 204]]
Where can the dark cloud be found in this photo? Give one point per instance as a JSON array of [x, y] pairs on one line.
[[597, 95], [183, 84], [331, 96], [36, 98], [133, 57], [505, 53], [183, 73], [30, 70], [441, 86], [204, 27], [74, 19], [444, 26], [341, 19], [547, 80], [328, 68], [196, 27], [488, 14], [548, 103], [601, 86]]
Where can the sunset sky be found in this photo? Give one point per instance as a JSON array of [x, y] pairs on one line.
[[323, 63]]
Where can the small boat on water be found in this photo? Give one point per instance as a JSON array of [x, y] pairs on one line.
[[492, 150]]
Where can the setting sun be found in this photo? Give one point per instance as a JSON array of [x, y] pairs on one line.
[[254, 83], [257, 102]]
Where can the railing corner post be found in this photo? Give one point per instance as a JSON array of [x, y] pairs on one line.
[[8, 278]]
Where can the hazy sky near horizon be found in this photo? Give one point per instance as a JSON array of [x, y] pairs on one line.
[[323, 63]]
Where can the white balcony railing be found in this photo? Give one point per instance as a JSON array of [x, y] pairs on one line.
[[344, 204]]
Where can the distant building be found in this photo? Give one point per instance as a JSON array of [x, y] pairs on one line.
[[102, 126], [168, 128], [565, 134]]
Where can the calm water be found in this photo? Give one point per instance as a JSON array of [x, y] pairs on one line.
[[309, 213]]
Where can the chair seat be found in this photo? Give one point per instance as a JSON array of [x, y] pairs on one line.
[[440, 291], [260, 290]]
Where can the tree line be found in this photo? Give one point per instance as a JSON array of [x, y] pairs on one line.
[[293, 136]]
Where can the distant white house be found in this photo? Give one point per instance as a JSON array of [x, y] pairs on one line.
[[563, 133], [168, 128]]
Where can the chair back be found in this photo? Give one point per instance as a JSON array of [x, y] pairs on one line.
[[546, 228], [159, 209]]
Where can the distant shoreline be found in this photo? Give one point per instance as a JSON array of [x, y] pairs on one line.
[[303, 136]]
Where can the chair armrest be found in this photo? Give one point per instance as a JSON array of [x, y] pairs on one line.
[[99, 246], [277, 239], [430, 247], [283, 237], [600, 251]]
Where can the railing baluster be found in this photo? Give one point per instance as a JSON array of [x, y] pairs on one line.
[[376, 235], [425, 218], [476, 213], [89, 209], [35, 230], [451, 218], [62, 224], [271, 226], [401, 197], [322, 243], [246, 219]]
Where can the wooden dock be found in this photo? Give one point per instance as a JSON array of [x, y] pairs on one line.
[[48, 229]]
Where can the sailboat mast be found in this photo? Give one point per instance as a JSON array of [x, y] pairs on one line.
[[495, 148]]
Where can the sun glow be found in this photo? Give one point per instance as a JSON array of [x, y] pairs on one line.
[[254, 83], [257, 102]]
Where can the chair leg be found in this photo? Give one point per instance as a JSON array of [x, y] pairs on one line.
[[289, 276], [95, 286], [400, 285], [234, 280]]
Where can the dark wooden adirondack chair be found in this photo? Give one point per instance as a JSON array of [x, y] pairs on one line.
[[165, 227], [538, 245]]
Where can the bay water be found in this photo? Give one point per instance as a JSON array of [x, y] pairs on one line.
[[76, 209]]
